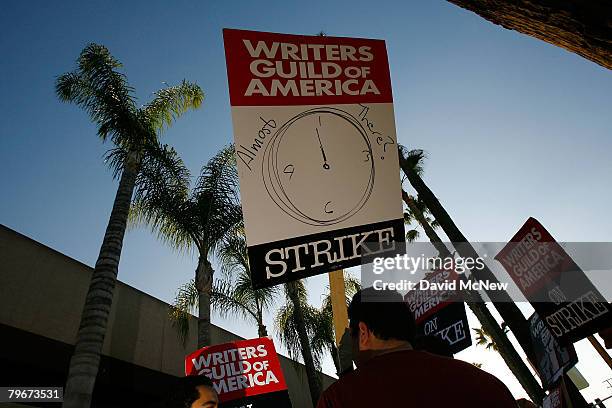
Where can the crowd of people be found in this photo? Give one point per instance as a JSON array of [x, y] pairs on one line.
[[384, 364]]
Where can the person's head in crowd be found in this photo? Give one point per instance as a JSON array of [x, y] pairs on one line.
[[433, 345], [193, 392], [379, 320]]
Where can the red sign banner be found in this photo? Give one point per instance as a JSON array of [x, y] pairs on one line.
[[266, 69], [239, 369]]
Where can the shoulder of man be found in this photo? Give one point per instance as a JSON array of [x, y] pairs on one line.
[[487, 384], [330, 397]]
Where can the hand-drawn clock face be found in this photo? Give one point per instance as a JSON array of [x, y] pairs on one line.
[[319, 167]]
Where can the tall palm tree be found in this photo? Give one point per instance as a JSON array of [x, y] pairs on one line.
[[324, 334], [506, 307], [97, 86], [296, 324], [196, 221], [232, 295], [416, 209], [411, 163]]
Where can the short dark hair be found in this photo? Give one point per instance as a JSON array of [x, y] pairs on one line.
[[185, 392], [384, 312]]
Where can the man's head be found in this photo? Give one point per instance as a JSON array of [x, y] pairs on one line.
[[379, 320], [194, 392]]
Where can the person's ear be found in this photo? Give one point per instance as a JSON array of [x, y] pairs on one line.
[[364, 336]]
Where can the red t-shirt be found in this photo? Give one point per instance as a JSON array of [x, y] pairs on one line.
[[416, 379]]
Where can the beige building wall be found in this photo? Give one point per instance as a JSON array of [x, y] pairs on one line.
[[42, 291]]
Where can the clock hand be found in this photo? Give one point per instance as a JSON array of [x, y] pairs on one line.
[[325, 165]]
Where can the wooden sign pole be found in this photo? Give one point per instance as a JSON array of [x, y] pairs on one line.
[[338, 300], [602, 351]]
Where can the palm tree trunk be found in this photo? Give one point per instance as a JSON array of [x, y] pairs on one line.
[[262, 331], [204, 281], [314, 382], [334, 355], [85, 360], [508, 310], [578, 26], [505, 348]]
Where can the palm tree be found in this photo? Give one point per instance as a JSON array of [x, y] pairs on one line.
[[237, 296], [97, 86], [416, 208], [412, 166], [324, 334], [195, 221], [296, 324], [233, 295], [506, 307]]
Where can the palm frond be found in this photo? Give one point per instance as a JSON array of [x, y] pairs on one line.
[[434, 223], [162, 172], [323, 332], [185, 303], [217, 200], [103, 92], [261, 299], [408, 217], [227, 302], [352, 285], [288, 335], [236, 294], [161, 198], [286, 331], [483, 338], [413, 158], [232, 253], [412, 235], [219, 175], [115, 159], [170, 103]]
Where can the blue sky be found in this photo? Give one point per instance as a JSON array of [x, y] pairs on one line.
[[513, 127]]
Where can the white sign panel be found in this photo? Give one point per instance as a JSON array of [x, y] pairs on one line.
[[317, 155]]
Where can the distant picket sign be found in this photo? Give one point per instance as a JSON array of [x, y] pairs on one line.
[[554, 399], [554, 284], [316, 148], [441, 313], [552, 360], [243, 372]]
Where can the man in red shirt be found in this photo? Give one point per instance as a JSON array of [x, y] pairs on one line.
[[391, 374]]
